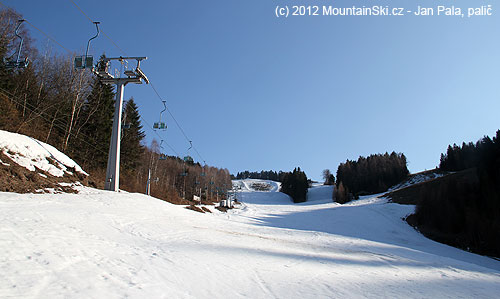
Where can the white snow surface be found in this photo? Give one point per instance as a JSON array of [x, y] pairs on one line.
[[100, 244], [416, 179], [31, 154]]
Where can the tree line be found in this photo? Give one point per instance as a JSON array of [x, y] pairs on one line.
[[262, 175], [463, 209], [466, 156], [72, 110], [369, 175]]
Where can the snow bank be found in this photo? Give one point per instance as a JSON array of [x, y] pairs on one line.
[[31, 154]]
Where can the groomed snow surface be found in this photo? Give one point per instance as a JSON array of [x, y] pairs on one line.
[[99, 244]]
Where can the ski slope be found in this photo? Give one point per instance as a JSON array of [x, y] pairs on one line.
[[100, 244]]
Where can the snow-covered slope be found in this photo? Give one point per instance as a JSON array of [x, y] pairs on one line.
[[100, 244], [255, 185], [417, 178], [31, 154]]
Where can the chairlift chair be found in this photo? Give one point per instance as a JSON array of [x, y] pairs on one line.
[[162, 156], [19, 62], [188, 158], [160, 125], [86, 61]]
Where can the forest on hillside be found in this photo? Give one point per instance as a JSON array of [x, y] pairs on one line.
[[463, 210], [272, 175], [369, 175], [72, 110]]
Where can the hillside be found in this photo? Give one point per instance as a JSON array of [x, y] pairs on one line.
[[29, 165], [109, 245], [408, 191]]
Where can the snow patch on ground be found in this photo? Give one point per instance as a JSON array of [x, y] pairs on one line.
[[416, 179], [255, 185], [31, 154], [3, 163]]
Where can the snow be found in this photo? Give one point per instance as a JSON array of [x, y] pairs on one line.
[[3, 163], [416, 179], [250, 184], [31, 154], [100, 244]]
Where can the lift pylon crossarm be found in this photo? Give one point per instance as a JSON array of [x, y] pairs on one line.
[[134, 76], [121, 58]]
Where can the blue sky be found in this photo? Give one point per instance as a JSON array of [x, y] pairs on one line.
[[258, 92]]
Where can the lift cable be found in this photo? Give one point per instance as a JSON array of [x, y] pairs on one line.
[[176, 122], [92, 21], [82, 137], [48, 36], [154, 89], [150, 83], [161, 138], [57, 124]]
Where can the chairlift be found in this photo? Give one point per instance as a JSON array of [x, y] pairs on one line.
[[86, 61], [19, 62], [162, 156], [186, 161], [160, 125], [188, 158]]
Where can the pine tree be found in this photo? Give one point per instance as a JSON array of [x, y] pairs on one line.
[[96, 127], [296, 185], [132, 137]]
